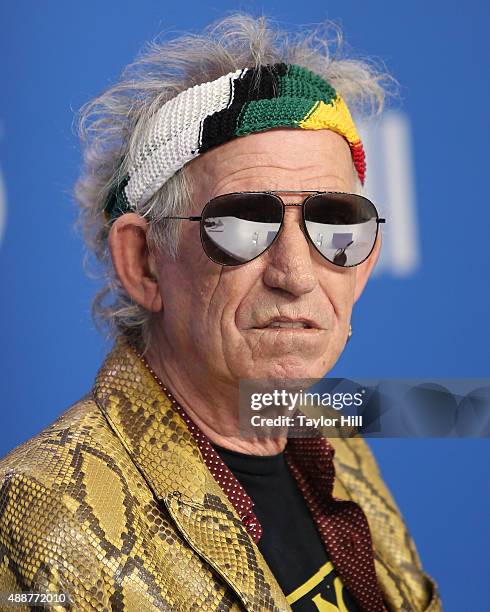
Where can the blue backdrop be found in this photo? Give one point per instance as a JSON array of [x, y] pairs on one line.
[[429, 319]]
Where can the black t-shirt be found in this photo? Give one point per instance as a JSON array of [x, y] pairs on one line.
[[290, 542]]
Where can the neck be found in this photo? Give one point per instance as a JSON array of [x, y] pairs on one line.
[[212, 404]]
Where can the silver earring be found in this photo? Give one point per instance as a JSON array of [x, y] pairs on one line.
[[350, 333]]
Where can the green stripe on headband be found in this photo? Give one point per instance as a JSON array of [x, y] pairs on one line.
[[299, 90]]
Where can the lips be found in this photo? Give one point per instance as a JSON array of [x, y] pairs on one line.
[[287, 323]]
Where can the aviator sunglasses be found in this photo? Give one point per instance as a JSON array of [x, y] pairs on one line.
[[239, 227]]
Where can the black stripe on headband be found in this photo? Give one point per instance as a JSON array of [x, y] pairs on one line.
[[255, 84]]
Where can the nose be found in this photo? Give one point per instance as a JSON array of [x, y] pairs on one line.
[[289, 265]]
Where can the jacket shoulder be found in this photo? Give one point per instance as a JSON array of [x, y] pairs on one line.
[[80, 460], [40, 532], [53, 457], [56, 490]]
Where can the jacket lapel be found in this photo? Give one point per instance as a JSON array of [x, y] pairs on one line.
[[161, 446]]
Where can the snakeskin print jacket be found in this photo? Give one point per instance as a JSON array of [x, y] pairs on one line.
[[113, 507]]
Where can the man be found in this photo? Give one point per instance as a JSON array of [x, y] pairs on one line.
[[221, 190]]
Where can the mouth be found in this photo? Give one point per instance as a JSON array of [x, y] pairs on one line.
[[284, 323]]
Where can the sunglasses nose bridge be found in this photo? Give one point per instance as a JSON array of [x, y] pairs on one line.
[[287, 237], [294, 213], [293, 210]]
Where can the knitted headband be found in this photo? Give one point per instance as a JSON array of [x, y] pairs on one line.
[[242, 102]]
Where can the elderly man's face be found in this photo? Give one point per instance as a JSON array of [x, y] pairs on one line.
[[218, 318]]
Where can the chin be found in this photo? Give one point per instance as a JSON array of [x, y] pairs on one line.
[[290, 368]]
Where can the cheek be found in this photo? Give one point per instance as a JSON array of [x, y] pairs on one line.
[[214, 333], [201, 300], [186, 283], [230, 293], [339, 288]]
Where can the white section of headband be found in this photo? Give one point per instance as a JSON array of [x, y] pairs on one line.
[[174, 136]]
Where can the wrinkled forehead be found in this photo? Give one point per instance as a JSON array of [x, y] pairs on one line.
[[276, 159]]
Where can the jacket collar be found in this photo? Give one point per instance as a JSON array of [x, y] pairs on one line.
[[162, 448]]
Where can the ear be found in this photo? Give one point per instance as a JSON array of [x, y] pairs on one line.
[[363, 271], [134, 264]]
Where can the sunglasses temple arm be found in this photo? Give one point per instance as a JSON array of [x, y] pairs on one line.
[[381, 220], [185, 218]]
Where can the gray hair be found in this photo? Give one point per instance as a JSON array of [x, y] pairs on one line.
[[115, 122]]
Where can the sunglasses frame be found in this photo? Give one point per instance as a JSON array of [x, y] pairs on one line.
[[275, 193]]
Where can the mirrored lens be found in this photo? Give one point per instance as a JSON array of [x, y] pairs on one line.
[[342, 226], [238, 227]]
